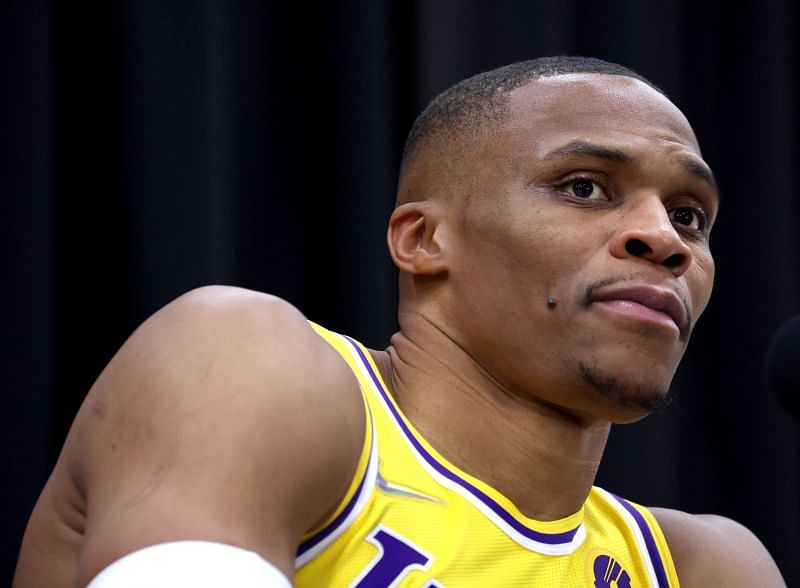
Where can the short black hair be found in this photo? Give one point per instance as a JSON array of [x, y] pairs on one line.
[[467, 107]]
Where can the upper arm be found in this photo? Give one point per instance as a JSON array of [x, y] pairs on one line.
[[223, 418], [710, 550]]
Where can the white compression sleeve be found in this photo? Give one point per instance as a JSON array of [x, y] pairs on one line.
[[190, 564]]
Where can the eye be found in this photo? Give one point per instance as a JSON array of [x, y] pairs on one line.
[[583, 188], [694, 218]]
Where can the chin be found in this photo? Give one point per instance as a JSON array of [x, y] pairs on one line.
[[632, 398]]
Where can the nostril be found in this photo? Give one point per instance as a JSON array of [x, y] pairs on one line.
[[674, 260], [637, 248]]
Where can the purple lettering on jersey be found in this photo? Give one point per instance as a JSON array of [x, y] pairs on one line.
[[607, 570], [396, 557]]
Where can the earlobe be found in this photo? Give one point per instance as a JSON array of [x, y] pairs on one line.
[[414, 239]]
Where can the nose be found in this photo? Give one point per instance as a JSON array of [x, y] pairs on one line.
[[647, 232]]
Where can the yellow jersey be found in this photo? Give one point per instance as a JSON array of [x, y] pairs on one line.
[[411, 518]]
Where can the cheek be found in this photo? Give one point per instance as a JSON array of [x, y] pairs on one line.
[[524, 256], [700, 279], [532, 248]]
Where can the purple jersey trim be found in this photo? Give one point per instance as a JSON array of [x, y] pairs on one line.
[[315, 539], [649, 541], [548, 538]]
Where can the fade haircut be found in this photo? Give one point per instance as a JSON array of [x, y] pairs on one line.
[[467, 108]]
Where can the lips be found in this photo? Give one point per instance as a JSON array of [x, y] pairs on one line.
[[655, 298]]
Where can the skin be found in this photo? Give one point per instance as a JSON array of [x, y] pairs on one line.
[[513, 219], [486, 231]]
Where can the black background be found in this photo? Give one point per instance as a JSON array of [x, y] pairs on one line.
[[148, 147]]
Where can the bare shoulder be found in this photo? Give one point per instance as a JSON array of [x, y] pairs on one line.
[[223, 357], [710, 550], [224, 417]]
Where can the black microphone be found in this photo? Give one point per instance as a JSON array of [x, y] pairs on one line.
[[783, 366]]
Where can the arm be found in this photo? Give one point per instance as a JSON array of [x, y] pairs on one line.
[[710, 550], [224, 418]]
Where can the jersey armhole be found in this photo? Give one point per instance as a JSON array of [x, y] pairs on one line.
[[661, 544], [363, 478]]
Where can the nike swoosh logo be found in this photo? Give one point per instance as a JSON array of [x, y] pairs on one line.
[[398, 490]]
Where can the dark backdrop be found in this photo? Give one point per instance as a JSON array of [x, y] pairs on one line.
[[149, 147]]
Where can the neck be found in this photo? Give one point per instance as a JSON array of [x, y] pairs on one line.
[[542, 458]]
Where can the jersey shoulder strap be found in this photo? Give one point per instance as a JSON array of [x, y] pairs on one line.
[[358, 492], [643, 532]]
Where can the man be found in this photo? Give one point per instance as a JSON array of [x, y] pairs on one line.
[[552, 235]]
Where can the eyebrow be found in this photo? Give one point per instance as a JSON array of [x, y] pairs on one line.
[[701, 171], [585, 148], [592, 150]]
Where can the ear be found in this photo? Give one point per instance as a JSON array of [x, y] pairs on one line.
[[415, 239]]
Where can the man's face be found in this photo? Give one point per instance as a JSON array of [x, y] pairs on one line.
[[592, 193]]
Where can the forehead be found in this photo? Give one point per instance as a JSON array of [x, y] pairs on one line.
[[608, 109]]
